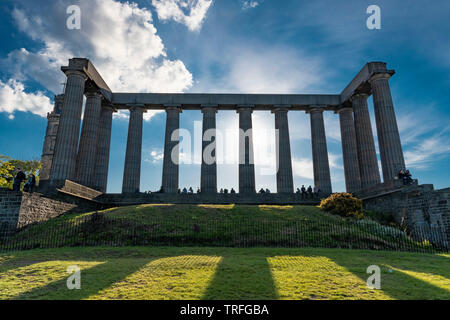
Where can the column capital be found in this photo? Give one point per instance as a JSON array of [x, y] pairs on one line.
[[343, 109], [245, 108], [138, 108], [280, 108], [315, 109], [381, 75], [93, 94], [79, 73], [173, 107], [359, 95], [209, 108]]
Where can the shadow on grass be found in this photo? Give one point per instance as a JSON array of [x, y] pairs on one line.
[[93, 280], [242, 277], [398, 284]]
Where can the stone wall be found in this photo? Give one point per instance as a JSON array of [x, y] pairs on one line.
[[19, 209], [220, 198], [417, 207]]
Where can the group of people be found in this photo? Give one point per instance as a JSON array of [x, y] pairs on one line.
[[264, 191], [405, 176], [21, 177], [310, 192], [226, 191]]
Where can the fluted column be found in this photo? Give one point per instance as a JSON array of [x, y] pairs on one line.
[[285, 181], [349, 150], [246, 157], [100, 181], [132, 171], [321, 166], [391, 153], [367, 156], [88, 141], [63, 165], [208, 180], [171, 151]]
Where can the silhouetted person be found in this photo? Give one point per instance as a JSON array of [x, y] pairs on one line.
[[179, 191], [198, 190], [267, 191], [29, 186], [262, 191], [221, 190], [298, 191], [191, 191], [303, 191], [310, 191], [20, 176], [233, 191], [225, 191], [184, 191]]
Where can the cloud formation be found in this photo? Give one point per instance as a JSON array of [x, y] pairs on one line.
[[14, 98], [191, 13], [128, 53]]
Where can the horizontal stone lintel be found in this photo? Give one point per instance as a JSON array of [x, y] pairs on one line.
[[195, 101]]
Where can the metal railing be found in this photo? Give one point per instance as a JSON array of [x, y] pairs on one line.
[[99, 229]]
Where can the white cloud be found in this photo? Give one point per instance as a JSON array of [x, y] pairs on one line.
[[249, 5], [155, 156], [428, 151], [14, 98], [119, 38], [191, 13]]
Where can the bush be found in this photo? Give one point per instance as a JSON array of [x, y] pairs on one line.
[[343, 204]]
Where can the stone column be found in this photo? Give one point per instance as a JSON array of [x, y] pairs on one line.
[[246, 158], [63, 166], [103, 149], [367, 156], [349, 150], [391, 153], [171, 150], [208, 183], [48, 149], [285, 181], [321, 166], [88, 141], [132, 171]]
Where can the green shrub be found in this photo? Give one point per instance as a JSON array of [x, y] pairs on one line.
[[343, 204]]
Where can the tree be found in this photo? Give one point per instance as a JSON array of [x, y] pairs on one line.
[[9, 167]]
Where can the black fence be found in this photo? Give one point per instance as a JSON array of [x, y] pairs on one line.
[[102, 230]]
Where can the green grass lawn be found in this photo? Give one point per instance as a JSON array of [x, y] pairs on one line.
[[213, 225], [222, 273]]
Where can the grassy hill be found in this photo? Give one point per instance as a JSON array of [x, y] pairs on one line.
[[212, 225]]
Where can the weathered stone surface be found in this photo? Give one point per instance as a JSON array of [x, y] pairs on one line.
[[88, 141], [417, 207], [171, 151], [246, 157], [367, 156], [349, 150], [48, 149], [132, 170], [285, 179], [321, 166], [391, 153], [63, 166], [208, 179], [100, 181]]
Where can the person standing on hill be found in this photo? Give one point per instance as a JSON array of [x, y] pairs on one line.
[[20, 176]]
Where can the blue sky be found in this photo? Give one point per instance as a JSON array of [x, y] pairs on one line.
[[262, 46]]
